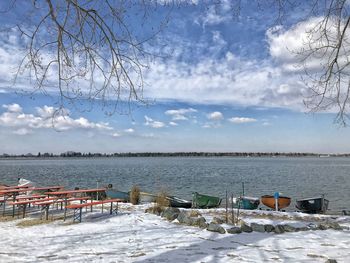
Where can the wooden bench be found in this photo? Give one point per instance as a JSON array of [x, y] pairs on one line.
[[78, 207], [24, 203], [28, 197], [45, 205]]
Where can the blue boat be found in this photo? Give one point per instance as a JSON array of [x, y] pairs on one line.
[[246, 202], [112, 193]]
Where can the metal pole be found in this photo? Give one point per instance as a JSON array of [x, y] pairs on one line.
[[226, 206], [232, 212], [276, 196], [97, 188]]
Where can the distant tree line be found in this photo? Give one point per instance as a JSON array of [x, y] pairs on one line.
[[73, 154]]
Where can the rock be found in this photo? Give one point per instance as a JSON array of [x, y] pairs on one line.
[[170, 213], [331, 261], [199, 221], [303, 228], [269, 228], [246, 228], [234, 230], [216, 228], [217, 220], [289, 228], [157, 210], [279, 229], [323, 226], [184, 218], [313, 226], [257, 227], [334, 225]]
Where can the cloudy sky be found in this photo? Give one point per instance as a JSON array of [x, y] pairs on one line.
[[225, 82]]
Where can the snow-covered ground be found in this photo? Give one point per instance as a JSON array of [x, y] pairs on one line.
[[134, 236]]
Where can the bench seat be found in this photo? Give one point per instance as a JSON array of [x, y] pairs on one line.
[[78, 207]]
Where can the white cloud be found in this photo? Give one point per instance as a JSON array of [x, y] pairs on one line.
[[285, 45], [116, 134], [266, 123], [216, 14], [22, 131], [239, 120], [154, 124], [13, 107], [130, 130], [14, 117], [180, 114], [215, 116], [173, 123], [227, 80]]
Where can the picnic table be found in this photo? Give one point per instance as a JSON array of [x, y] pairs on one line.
[[77, 214], [65, 194], [14, 187], [15, 192]]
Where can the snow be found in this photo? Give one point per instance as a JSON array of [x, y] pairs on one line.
[[134, 236]]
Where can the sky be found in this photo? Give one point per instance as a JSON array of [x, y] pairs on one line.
[[221, 81]]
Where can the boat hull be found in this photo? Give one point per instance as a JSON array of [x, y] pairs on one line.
[[269, 201], [178, 202], [244, 202], [111, 193], [313, 205], [205, 201], [147, 197]]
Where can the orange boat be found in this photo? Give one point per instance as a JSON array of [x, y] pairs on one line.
[[269, 201]]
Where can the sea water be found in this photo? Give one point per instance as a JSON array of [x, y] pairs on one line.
[[180, 176]]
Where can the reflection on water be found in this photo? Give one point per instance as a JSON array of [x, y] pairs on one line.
[[294, 177]]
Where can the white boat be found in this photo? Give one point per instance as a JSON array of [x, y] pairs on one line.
[[147, 197], [24, 182]]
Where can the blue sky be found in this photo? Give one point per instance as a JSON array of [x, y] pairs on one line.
[[223, 83]]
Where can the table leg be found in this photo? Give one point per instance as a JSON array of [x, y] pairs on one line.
[[13, 206], [3, 209], [47, 212], [65, 208], [24, 210]]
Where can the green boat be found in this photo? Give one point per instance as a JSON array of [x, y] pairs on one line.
[[246, 202], [205, 201]]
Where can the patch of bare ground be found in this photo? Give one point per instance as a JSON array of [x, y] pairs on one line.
[[7, 218], [38, 221]]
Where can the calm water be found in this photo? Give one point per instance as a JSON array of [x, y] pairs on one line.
[[294, 177]]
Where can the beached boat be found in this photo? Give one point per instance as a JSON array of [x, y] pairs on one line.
[[25, 183], [205, 201], [147, 197], [269, 201], [113, 193], [312, 205], [178, 202], [246, 202]]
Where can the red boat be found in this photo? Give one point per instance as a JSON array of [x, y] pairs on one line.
[[269, 201]]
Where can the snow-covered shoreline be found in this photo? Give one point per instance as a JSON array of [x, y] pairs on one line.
[[135, 236]]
